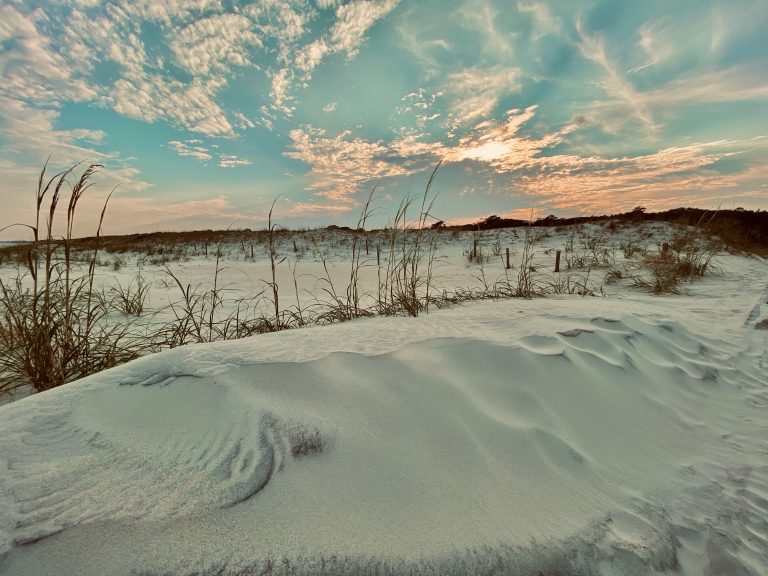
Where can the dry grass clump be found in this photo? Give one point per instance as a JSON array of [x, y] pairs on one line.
[[55, 325], [687, 256]]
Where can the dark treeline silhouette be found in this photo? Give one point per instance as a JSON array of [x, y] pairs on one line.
[[742, 229], [745, 229]]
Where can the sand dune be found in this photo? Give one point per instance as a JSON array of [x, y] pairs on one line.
[[492, 437]]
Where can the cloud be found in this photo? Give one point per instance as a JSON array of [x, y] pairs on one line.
[[740, 83], [242, 121], [652, 42], [476, 92], [310, 56], [480, 16], [280, 92], [330, 107], [170, 11], [353, 20], [191, 149], [215, 44], [194, 149], [623, 100], [32, 70], [345, 36], [326, 4], [152, 97], [309, 208], [340, 165], [543, 20], [230, 161]]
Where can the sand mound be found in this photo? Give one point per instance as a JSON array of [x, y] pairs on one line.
[[484, 443]]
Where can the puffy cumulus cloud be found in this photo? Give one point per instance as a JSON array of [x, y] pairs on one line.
[[170, 61], [169, 11], [282, 22], [476, 92], [354, 19], [330, 107], [242, 121], [280, 91], [215, 44], [311, 55], [340, 165], [189, 105], [326, 4], [346, 36], [31, 68], [89, 38]]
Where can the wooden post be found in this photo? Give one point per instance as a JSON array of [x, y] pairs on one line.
[[251, 250], [474, 249], [366, 245], [557, 261], [378, 255], [507, 267], [664, 250]]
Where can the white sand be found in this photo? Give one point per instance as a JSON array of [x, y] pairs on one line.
[[621, 435]]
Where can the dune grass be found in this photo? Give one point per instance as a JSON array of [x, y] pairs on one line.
[[58, 325], [55, 325]]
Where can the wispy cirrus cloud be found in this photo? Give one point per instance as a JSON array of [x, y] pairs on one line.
[[475, 92], [544, 21], [191, 149], [196, 149], [652, 41], [232, 161], [624, 102]]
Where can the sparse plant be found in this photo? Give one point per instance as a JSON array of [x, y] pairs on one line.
[[130, 300]]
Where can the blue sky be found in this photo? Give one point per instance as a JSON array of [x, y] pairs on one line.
[[205, 111]]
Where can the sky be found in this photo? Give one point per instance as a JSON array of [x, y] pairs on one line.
[[203, 113]]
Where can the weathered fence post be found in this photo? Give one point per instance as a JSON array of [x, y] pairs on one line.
[[378, 255], [507, 266], [474, 249], [557, 261]]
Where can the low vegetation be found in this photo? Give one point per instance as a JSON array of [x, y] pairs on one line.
[[59, 324]]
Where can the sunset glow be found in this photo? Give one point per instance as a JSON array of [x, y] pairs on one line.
[[204, 112]]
